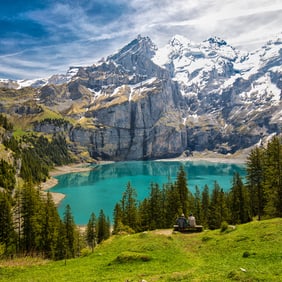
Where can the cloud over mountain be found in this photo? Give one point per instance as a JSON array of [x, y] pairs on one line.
[[38, 39]]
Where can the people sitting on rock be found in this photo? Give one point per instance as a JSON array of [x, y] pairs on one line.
[[182, 222], [191, 220]]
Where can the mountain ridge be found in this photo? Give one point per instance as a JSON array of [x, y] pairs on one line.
[[145, 102]]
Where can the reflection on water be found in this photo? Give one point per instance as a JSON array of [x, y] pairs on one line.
[[102, 187]]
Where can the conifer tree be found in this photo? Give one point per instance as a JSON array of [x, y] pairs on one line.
[[49, 227], [17, 217], [239, 204], [144, 215], [181, 185], [156, 209], [273, 178], [118, 216], [108, 230], [7, 176], [216, 208], [197, 210], [103, 227], [91, 232], [7, 233], [30, 212], [255, 181], [205, 203], [71, 233], [61, 248], [173, 205], [224, 211], [129, 207]]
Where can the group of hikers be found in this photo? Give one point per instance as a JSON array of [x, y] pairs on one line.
[[183, 222]]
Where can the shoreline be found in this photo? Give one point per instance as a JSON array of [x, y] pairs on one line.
[[213, 159], [207, 156], [59, 170], [72, 168], [239, 157]]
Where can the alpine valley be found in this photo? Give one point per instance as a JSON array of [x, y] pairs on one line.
[[145, 102]]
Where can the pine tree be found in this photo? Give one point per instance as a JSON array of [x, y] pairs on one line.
[[273, 178], [129, 207], [197, 210], [181, 185], [30, 212], [224, 212], [156, 210], [118, 216], [71, 233], [108, 225], [217, 210], [49, 227], [144, 215], [17, 217], [239, 206], [205, 203], [7, 176], [91, 232], [61, 248], [7, 233], [103, 227], [255, 181], [173, 204]]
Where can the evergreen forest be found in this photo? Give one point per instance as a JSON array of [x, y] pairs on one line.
[[30, 224]]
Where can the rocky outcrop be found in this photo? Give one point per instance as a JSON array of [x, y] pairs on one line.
[[139, 125]]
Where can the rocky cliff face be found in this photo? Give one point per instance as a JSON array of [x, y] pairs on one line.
[[145, 103]]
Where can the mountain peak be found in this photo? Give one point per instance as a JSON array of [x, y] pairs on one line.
[[217, 41], [179, 40], [138, 46]]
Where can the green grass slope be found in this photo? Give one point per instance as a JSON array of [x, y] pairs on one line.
[[250, 252]]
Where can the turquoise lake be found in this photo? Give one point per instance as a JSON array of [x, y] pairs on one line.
[[102, 187]]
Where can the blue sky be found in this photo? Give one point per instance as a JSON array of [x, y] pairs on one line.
[[39, 38]]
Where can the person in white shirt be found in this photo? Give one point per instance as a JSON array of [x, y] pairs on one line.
[[191, 220]]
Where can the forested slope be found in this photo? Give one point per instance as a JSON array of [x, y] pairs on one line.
[[29, 221]]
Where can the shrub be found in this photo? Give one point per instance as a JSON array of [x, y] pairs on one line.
[[126, 257], [224, 226], [246, 254], [123, 229], [85, 252]]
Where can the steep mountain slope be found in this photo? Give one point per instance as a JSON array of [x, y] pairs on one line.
[[143, 102], [233, 93]]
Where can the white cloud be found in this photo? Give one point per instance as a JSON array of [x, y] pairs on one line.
[[230, 20], [76, 37]]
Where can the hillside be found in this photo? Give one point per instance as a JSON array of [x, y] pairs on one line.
[[250, 252]]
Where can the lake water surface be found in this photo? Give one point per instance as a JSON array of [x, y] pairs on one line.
[[102, 187]]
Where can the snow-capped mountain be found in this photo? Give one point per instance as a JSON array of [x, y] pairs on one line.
[[55, 79], [197, 65], [213, 66], [147, 102]]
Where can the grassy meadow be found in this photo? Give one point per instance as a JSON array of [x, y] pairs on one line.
[[250, 252]]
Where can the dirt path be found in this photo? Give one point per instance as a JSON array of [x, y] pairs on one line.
[[166, 232]]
